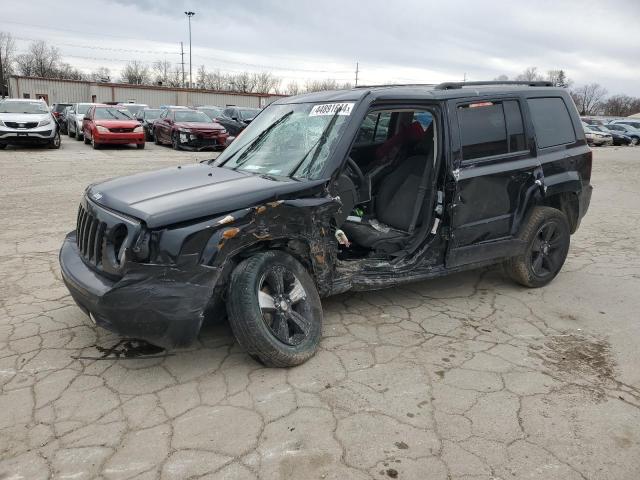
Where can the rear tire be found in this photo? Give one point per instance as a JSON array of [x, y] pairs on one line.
[[69, 132], [547, 239], [274, 309], [3, 145], [140, 146], [79, 136], [87, 141], [155, 138]]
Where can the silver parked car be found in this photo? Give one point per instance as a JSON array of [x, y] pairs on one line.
[[27, 122], [75, 115]]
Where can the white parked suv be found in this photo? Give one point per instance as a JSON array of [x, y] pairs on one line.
[[27, 122], [75, 115]]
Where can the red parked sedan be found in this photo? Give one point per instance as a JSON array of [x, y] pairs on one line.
[[111, 125], [189, 129]]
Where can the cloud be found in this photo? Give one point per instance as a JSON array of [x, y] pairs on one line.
[[409, 40]]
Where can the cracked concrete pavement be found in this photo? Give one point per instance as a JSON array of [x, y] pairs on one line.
[[465, 377]]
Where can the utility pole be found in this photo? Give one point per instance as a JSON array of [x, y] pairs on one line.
[[182, 61], [357, 71], [189, 15], [1, 75]]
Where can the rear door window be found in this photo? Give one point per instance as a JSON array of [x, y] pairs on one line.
[[483, 130], [551, 121]]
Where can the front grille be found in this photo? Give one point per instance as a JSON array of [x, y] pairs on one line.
[[121, 130], [90, 236], [208, 134], [21, 124]]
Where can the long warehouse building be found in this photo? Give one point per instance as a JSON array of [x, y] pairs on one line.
[[72, 91]]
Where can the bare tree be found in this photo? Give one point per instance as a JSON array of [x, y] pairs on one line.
[[135, 72], [530, 74], [40, 60], [293, 88], [7, 53], [102, 74], [588, 98], [243, 82], [162, 72], [202, 77], [327, 84], [266, 82], [559, 78], [621, 106]]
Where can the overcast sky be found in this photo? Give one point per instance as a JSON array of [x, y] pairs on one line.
[[419, 41]]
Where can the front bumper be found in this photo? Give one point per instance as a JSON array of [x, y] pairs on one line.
[[196, 141], [119, 138], [31, 136], [162, 304]]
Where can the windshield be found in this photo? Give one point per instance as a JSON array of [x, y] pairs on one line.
[[249, 113], [152, 114], [191, 116], [112, 114], [83, 108], [134, 108], [211, 112], [289, 140], [23, 107]]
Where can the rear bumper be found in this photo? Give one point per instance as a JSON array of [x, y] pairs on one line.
[[161, 304], [584, 200]]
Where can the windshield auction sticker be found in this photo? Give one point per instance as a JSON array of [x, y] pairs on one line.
[[331, 109]]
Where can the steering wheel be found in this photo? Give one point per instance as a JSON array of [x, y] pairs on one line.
[[353, 166]]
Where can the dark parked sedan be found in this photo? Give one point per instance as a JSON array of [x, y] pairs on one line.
[[619, 138], [147, 117], [188, 129], [234, 127]]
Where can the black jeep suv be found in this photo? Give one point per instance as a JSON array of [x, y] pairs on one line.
[[328, 192]]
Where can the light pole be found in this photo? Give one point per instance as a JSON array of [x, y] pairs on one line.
[[190, 14]]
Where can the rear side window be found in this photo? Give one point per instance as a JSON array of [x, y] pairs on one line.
[[483, 130], [551, 121]]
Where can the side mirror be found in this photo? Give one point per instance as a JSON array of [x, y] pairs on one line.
[[235, 118], [86, 118]]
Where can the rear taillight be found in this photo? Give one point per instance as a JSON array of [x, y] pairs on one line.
[[588, 163], [56, 114]]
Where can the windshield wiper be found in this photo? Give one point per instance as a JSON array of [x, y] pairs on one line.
[[256, 141], [317, 145]]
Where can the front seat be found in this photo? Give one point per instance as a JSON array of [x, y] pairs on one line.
[[394, 204]]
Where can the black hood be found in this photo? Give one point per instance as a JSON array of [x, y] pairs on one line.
[[179, 194]]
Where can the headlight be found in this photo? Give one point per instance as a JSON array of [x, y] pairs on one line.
[[222, 132], [2, 124], [184, 130], [138, 129], [44, 122], [102, 129]]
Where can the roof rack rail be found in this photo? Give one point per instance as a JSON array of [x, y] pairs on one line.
[[396, 85], [454, 85]]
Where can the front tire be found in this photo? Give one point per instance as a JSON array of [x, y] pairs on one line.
[[140, 146], [274, 309], [174, 142], [547, 237], [94, 144], [70, 133], [55, 141]]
